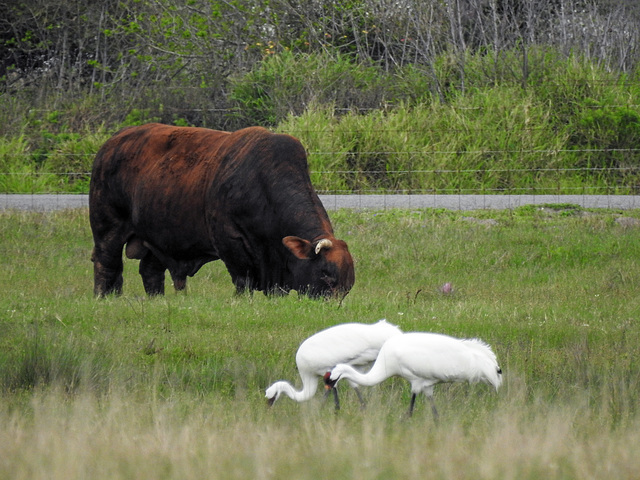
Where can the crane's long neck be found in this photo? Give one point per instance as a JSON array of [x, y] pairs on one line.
[[309, 387], [374, 376]]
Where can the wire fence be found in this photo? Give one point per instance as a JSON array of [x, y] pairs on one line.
[[606, 181], [51, 173], [50, 202]]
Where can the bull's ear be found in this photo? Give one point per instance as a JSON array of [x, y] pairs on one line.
[[300, 247]]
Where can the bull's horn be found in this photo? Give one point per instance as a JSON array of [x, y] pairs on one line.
[[324, 243]]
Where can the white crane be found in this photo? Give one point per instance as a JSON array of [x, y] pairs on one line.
[[354, 344], [426, 359]]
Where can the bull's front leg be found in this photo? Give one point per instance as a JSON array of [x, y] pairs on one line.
[[243, 285], [179, 281], [152, 273], [243, 282]]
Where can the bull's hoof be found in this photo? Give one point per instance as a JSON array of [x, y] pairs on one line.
[[180, 284]]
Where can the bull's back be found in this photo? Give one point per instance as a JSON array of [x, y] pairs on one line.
[[155, 160], [153, 180]]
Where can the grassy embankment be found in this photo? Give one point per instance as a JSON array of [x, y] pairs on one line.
[[574, 129], [173, 387]]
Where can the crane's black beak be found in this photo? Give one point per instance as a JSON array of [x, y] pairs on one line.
[[271, 400]]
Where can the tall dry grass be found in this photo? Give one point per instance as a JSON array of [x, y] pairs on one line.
[[115, 437]]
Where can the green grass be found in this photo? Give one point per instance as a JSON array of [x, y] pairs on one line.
[[173, 387]]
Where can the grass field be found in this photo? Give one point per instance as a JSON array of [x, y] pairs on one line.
[[173, 387]]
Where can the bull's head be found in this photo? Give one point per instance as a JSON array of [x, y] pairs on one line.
[[325, 266]]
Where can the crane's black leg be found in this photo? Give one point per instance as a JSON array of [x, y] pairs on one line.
[[362, 402], [411, 404], [434, 409]]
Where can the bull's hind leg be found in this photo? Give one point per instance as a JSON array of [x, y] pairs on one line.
[[110, 232], [107, 272], [152, 273]]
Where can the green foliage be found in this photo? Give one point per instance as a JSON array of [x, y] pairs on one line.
[[60, 162], [18, 172], [285, 83], [485, 138], [477, 125], [70, 159], [139, 117], [612, 133], [473, 144], [50, 142]]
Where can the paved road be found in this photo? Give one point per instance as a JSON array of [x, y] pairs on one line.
[[43, 202]]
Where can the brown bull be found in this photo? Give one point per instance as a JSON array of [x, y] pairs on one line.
[[181, 197]]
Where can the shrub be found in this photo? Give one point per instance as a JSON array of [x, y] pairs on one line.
[[285, 83], [18, 172], [490, 140], [71, 159]]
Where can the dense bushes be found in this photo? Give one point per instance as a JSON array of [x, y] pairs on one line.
[[491, 136], [286, 84], [571, 127]]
